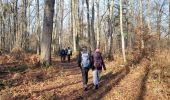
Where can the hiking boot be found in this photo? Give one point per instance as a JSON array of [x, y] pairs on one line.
[[96, 87], [85, 87]]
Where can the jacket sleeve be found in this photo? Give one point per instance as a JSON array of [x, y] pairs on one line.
[[92, 61], [104, 67], [79, 59]]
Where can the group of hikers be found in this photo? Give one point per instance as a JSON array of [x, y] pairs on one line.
[[65, 52], [86, 61]]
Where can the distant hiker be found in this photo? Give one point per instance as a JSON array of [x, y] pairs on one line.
[[97, 64], [62, 55], [69, 53], [84, 64]]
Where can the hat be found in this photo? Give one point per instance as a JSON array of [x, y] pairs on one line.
[[97, 50]]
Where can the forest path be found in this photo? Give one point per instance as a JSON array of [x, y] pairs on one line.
[[63, 81]]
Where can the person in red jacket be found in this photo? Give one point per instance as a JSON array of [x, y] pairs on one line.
[[97, 65]]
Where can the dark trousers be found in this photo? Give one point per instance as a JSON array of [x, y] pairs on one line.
[[68, 57], [85, 75], [63, 58]]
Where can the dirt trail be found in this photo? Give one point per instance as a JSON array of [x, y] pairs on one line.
[[132, 87], [64, 82]]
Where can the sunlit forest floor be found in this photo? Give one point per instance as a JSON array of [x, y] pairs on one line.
[[22, 78]]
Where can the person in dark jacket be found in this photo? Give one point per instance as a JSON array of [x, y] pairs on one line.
[[97, 65], [62, 55]]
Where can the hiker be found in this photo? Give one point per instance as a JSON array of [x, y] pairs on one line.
[[84, 64], [62, 55], [97, 65], [69, 53]]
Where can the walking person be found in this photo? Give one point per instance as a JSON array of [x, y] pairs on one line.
[[84, 64], [69, 53], [62, 55], [97, 65]]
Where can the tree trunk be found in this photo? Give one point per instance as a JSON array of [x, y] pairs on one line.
[[57, 35], [122, 34], [15, 20], [169, 27], [93, 44], [24, 25], [61, 19], [149, 15], [74, 29], [47, 32], [110, 30], [98, 25], [88, 21], [3, 36], [38, 28], [141, 23]]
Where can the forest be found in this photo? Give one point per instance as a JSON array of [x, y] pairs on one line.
[[133, 37]]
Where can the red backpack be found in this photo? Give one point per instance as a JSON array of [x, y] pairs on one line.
[[97, 58]]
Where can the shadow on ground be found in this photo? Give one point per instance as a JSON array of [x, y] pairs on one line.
[[108, 81]]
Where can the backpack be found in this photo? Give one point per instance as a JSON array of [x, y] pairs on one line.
[[69, 52], [62, 52], [97, 59], [85, 60]]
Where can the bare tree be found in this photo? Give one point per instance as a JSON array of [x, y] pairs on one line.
[[15, 28], [98, 24], [88, 20], [38, 27], [47, 32], [74, 29], [92, 35], [122, 34], [169, 17], [110, 31], [141, 23], [149, 15]]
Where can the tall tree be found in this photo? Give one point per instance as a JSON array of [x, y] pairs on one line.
[[15, 28], [98, 24], [38, 27], [169, 24], [74, 29], [92, 35], [159, 7], [149, 15], [169, 17], [122, 34], [88, 21], [3, 26], [61, 13], [56, 35], [23, 24], [141, 23], [110, 28], [47, 32]]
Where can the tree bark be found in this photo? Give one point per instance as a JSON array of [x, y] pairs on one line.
[[47, 32], [98, 24], [38, 28], [122, 34], [110, 31], [88, 21], [141, 23], [169, 26], [74, 29], [149, 15], [93, 41]]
